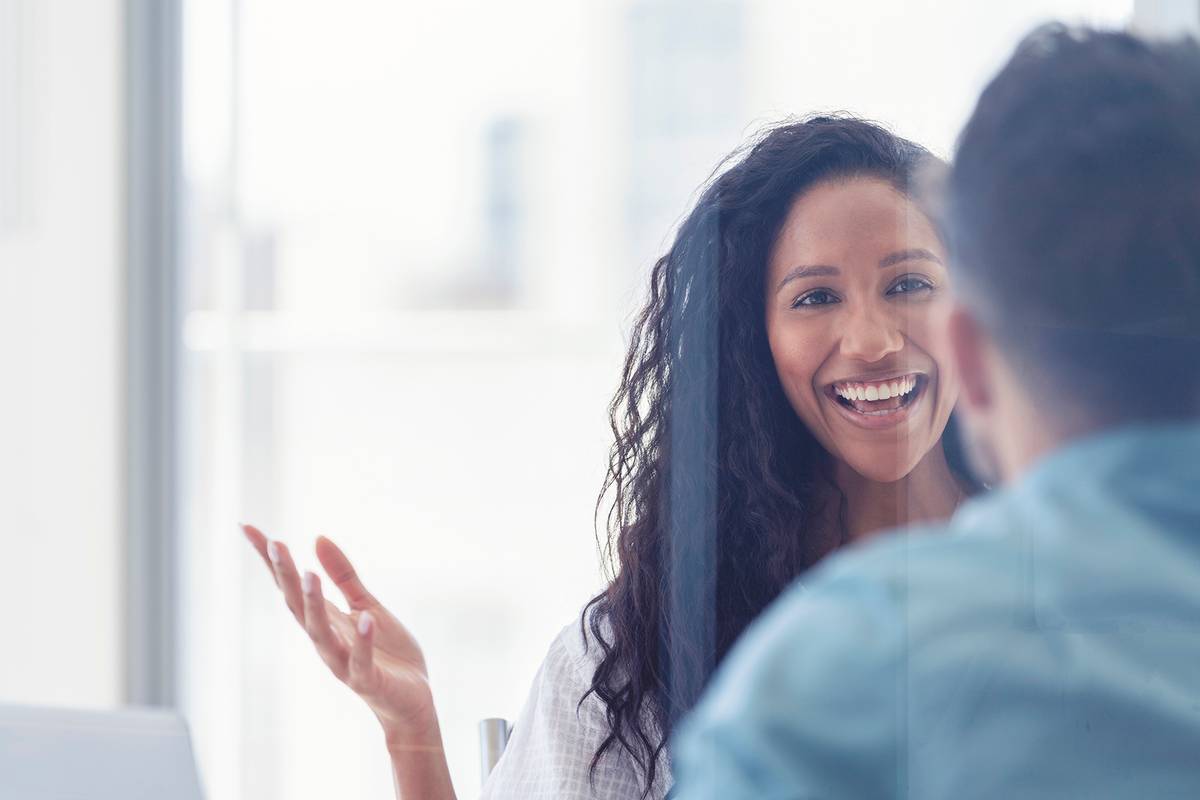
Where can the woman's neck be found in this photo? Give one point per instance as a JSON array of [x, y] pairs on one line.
[[927, 494]]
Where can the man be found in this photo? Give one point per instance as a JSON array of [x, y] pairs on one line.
[[1046, 643]]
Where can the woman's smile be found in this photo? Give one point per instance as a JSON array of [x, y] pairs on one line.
[[880, 403]]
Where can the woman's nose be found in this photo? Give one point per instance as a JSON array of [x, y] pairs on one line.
[[870, 336]]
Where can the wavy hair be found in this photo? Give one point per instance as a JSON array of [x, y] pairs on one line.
[[713, 479]]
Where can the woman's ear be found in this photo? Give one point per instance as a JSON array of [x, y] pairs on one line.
[[970, 351]]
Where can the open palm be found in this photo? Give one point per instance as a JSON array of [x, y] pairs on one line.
[[367, 648]]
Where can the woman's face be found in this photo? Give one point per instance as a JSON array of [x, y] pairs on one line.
[[856, 290]]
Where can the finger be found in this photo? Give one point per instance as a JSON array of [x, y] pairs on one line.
[[362, 656], [341, 571], [285, 574], [316, 622], [258, 541]]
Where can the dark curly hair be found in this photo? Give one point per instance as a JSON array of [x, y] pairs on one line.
[[713, 478]]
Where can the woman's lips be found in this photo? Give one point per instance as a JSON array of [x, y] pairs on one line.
[[878, 414]]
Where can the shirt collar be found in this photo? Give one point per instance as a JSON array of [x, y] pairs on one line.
[[1156, 460]]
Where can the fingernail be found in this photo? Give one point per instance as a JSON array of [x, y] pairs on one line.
[[364, 623], [308, 582], [273, 551]]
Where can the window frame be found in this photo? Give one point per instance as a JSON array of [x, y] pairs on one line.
[[153, 183]]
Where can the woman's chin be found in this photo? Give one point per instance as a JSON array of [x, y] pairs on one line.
[[883, 468]]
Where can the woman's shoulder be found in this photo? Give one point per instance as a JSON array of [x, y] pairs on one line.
[[580, 646], [562, 727]]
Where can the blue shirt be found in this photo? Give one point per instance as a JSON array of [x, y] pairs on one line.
[[1045, 642]]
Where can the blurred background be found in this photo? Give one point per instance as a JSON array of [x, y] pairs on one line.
[[365, 269]]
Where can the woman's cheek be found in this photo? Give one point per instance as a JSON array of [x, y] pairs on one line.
[[793, 349], [805, 389], [921, 322], [800, 352]]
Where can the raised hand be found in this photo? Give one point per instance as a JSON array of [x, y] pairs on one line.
[[368, 649]]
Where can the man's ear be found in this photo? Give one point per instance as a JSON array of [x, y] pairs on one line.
[[969, 348]]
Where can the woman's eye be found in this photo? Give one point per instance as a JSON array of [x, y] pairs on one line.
[[817, 297], [909, 284]]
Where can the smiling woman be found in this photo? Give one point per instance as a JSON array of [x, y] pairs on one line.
[[784, 394], [854, 336]]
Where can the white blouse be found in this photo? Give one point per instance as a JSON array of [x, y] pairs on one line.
[[550, 752]]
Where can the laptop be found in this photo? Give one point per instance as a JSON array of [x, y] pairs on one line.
[[61, 754]]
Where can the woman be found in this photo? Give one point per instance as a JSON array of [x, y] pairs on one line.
[[784, 394]]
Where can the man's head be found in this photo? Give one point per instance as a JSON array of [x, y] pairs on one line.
[[1073, 209]]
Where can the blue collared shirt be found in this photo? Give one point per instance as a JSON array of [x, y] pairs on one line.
[[1045, 642]]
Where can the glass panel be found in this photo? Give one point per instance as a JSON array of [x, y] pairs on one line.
[[414, 235]]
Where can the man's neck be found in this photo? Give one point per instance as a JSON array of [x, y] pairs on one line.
[[1031, 433]]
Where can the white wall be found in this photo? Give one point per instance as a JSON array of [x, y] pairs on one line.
[[60, 355], [1166, 17]]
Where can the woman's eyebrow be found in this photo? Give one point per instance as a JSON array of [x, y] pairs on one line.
[[891, 259], [915, 254], [803, 271]]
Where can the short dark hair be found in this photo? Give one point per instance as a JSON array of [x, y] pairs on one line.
[[1074, 218]]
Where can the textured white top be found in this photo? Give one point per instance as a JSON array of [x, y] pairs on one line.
[[550, 752]]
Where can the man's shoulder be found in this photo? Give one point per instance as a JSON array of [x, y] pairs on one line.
[[868, 605], [824, 670], [944, 568]]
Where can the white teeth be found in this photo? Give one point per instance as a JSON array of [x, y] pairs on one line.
[[882, 391]]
